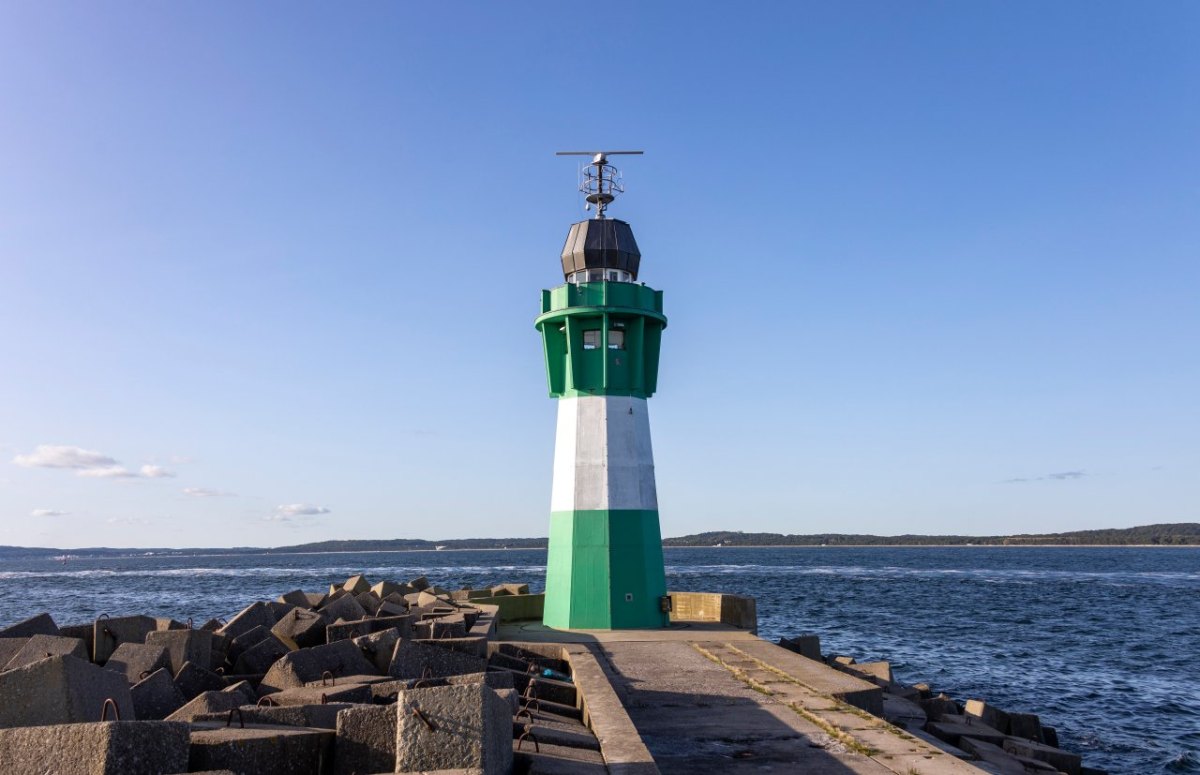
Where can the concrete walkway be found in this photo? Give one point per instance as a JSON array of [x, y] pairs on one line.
[[706, 698], [708, 707]]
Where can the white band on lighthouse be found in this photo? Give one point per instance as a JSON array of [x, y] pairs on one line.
[[603, 459]]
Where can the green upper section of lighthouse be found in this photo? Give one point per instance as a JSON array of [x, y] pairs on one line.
[[601, 330], [601, 338]]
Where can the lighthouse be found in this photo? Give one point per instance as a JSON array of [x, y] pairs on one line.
[[601, 332]]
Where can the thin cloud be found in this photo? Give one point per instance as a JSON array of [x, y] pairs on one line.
[[62, 456], [299, 510], [126, 521], [87, 463], [1059, 476], [48, 513], [205, 492], [107, 472], [289, 512]]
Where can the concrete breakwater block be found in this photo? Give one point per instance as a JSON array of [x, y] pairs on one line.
[[474, 645], [254, 615], [497, 679], [366, 740], [297, 597], [108, 633], [385, 588], [903, 713], [988, 714], [278, 609], [806, 645], [450, 727], [9, 648], [60, 690], [369, 602], [356, 585], [392, 608], [313, 695], [941, 705], [315, 716], [344, 607], [42, 624], [108, 748], [378, 648], [1026, 725], [85, 632], [953, 729], [419, 660], [1063, 761], [42, 646], [258, 659], [1000, 760], [448, 626], [345, 630], [193, 646], [248, 639], [259, 749], [155, 697], [192, 679], [307, 665], [208, 703], [303, 627], [501, 590], [136, 660]]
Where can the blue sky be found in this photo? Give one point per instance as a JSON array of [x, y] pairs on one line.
[[268, 271]]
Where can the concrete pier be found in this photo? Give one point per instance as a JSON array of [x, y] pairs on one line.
[[706, 697]]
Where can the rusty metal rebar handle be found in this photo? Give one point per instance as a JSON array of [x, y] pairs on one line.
[[110, 703]]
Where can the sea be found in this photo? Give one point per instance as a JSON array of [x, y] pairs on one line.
[[1102, 643]]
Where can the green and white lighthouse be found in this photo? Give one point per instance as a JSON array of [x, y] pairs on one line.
[[601, 332]]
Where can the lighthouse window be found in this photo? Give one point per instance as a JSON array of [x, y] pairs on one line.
[[591, 339], [612, 277], [616, 339]]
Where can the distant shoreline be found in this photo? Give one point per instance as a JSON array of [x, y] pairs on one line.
[[185, 554], [1167, 536]]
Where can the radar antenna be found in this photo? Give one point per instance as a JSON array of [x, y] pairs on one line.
[[600, 182]]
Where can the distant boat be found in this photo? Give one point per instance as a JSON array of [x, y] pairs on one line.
[[440, 547]]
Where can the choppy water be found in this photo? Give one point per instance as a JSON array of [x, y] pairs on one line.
[[1101, 642]]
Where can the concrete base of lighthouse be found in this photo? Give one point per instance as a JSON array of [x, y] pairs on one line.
[[605, 565]]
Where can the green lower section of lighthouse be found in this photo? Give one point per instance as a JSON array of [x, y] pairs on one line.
[[605, 571]]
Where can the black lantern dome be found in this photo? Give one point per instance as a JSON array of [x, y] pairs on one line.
[[601, 244]]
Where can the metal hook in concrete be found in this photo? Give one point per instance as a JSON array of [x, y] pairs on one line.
[[529, 733], [110, 703]]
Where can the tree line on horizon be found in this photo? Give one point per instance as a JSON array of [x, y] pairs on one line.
[[1180, 534]]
